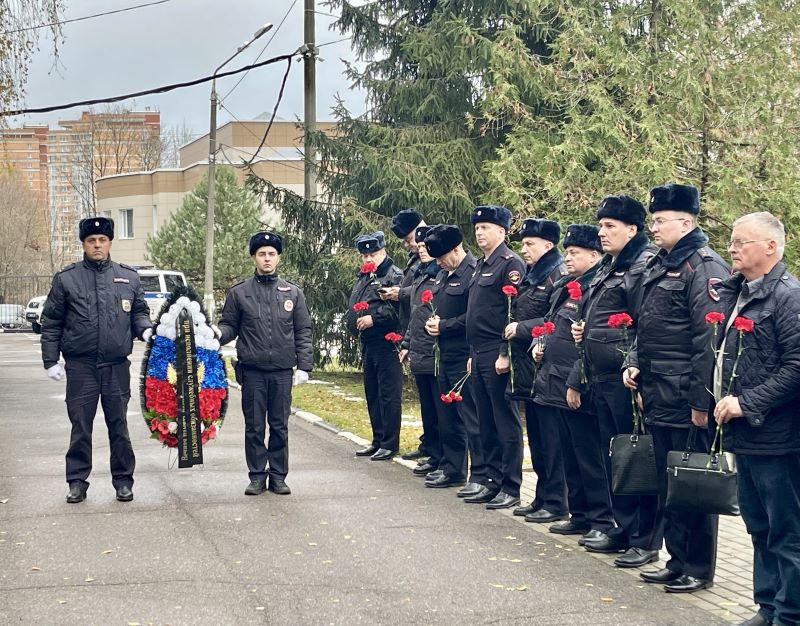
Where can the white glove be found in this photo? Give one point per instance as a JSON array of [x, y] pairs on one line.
[[300, 377], [148, 332], [57, 373], [217, 331]]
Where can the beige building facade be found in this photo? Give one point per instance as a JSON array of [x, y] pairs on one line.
[[146, 200]]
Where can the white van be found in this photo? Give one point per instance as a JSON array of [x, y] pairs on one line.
[[157, 285]]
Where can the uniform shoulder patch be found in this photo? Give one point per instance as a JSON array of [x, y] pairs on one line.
[[514, 276], [507, 256], [712, 288], [71, 266], [127, 267], [705, 253]]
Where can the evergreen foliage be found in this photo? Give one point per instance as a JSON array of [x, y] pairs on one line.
[[180, 243]]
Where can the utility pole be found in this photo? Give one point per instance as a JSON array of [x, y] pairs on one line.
[[310, 52]]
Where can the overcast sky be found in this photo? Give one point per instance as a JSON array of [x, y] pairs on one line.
[[181, 40]]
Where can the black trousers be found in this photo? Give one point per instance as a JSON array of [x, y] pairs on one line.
[[544, 440], [430, 404], [589, 495], [500, 426], [383, 388], [266, 400], [86, 383], [635, 515], [691, 538]]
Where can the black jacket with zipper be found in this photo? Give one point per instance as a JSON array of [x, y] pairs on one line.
[[384, 312]]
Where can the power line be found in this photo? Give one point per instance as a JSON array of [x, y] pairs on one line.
[[330, 43], [165, 89], [266, 45], [274, 111], [86, 17]]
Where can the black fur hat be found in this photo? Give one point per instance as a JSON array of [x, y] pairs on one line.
[[544, 229], [583, 236], [97, 225], [420, 232], [441, 239], [623, 208], [371, 242], [499, 215], [265, 238], [675, 197], [405, 221]]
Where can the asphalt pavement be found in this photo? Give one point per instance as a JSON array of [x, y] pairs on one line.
[[357, 542]]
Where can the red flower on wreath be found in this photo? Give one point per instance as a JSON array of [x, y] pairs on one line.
[[160, 396], [620, 320], [743, 324], [715, 317], [368, 268], [211, 403]]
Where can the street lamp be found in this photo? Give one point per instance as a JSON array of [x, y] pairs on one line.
[[208, 297]]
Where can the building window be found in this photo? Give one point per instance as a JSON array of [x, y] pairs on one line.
[[126, 223]]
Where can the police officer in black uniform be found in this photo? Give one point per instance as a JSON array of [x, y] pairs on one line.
[[269, 316], [459, 430], [487, 315], [589, 496], [545, 268], [93, 311], [418, 347], [616, 289], [383, 374], [671, 367]]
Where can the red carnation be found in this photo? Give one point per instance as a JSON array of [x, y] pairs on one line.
[[743, 324], [154, 424], [574, 290], [426, 296], [393, 337], [368, 268], [445, 397], [509, 290], [715, 317], [363, 305], [549, 328], [537, 331], [619, 320], [456, 396]]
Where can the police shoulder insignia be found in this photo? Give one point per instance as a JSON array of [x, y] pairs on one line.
[[712, 290], [673, 274], [514, 277], [126, 305], [127, 267], [619, 273], [288, 305]]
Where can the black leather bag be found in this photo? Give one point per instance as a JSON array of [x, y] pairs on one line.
[[702, 482], [633, 463]]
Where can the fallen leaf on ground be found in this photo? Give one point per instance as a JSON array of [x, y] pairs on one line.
[[109, 551], [496, 586], [36, 569], [510, 537], [4, 500], [312, 543], [89, 579], [522, 587], [62, 601], [606, 599]]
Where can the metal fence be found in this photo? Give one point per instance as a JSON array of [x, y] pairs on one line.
[[19, 290]]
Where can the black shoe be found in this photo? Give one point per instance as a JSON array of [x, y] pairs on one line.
[[568, 528], [77, 493], [592, 535], [543, 516], [425, 468], [414, 455], [433, 475], [502, 500], [662, 575], [757, 620], [255, 487], [636, 557], [279, 486], [368, 451], [483, 496], [470, 489], [383, 455], [444, 481], [522, 511], [124, 493], [688, 584], [607, 545]]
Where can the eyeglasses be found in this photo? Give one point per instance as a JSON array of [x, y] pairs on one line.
[[660, 221], [738, 244]]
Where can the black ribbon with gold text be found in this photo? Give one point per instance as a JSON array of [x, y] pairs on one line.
[[190, 449]]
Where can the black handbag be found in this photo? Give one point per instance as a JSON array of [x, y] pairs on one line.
[[702, 482], [633, 462]]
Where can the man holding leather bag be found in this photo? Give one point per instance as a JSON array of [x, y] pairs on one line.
[[671, 366], [758, 408]]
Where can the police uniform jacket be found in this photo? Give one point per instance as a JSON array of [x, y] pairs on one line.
[[93, 311], [528, 310], [406, 290], [767, 381], [450, 298], [384, 313], [487, 312], [615, 289], [672, 337], [269, 316], [561, 353], [419, 343]]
